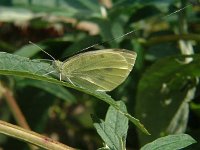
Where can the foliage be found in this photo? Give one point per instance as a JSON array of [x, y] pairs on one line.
[[161, 91]]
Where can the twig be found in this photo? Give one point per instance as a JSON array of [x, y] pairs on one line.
[[18, 115], [168, 38], [31, 137]]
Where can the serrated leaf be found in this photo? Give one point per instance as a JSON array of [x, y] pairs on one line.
[[107, 134], [118, 122], [170, 142], [114, 130]]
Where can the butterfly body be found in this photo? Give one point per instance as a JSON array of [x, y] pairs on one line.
[[101, 70]]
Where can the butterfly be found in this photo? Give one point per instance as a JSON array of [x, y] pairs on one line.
[[99, 70]]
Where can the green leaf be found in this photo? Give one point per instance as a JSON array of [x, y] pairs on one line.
[[170, 142], [118, 122], [163, 95], [34, 69], [54, 89], [107, 134], [137, 123], [28, 50], [114, 130], [103, 148]]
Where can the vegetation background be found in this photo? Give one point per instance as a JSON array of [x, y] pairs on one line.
[[162, 91]]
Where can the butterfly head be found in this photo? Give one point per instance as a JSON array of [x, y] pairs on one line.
[[58, 65]]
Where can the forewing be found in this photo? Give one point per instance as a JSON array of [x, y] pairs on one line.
[[100, 70], [130, 57]]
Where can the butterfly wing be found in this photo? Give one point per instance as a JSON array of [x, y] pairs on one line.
[[101, 70]]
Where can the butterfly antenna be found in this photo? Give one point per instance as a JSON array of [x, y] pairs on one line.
[[42, 50], [177, 11], [45, 60], [131, 32], [115, 38]]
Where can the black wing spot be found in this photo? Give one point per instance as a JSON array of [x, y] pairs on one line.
[[108, 69], [102, 56]]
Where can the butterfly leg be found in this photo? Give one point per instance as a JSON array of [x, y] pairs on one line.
[[60, 77], [48, 73], [67, 79], [71, 81]]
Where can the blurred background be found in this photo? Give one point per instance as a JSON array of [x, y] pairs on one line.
[[64, 27]]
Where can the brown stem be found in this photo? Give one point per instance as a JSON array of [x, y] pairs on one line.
[[24, 133], [18, 115], [31, 137], [167, 38]]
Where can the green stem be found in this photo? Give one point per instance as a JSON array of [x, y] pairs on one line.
[[31, 137]]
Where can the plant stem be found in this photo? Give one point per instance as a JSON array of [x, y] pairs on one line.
[[17, 113], [31, 137], [168, 38]]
